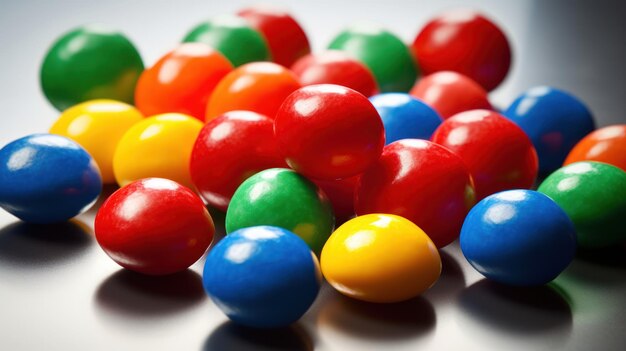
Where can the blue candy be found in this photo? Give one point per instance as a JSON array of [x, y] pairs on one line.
[[554, 120], [405, 117], [262, 277], [518, 237], [47, 178]]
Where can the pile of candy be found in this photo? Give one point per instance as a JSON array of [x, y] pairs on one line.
[[243, 118]]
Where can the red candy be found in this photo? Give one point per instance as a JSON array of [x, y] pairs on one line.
[[285, 38], [328, 131], [154, 226], [421, 181], [340, 192], [450, 93], [498, 153], [464, 42], [335, 67], [230, 149]]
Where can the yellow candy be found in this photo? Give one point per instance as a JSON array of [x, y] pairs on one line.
[[159, 146], [98, 125], [380, 258]]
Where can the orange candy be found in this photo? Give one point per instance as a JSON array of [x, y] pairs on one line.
[[181, 81], [606, 145], [259, 87]]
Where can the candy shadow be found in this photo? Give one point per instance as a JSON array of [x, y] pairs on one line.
[[219, 219], [231, 336], [450, 283]]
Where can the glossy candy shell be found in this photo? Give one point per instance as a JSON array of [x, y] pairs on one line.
[[606, 145]]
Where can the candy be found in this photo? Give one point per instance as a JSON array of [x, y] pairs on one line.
[[264, 277], [154, 226], [518, 237], [181, 81], [98, 125], [421, 181], [282, 198], [380, 258], [230, 149], [593, 195], [340, 192], [466, 42], [328, 131], [405, 117], [159, 146], [47, 178], [606, 145], [90, 63]]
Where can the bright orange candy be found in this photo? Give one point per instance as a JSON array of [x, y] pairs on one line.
[[606, 145], [259, 87], [181, 81]]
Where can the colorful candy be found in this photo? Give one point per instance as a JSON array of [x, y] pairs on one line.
[[466, 42], [340, 192], [405, 117], [384, 53], [380, 258], [282, 198], [499, 155], [554, 120], [263, 277], [606, 145], [159, 146], [593, 195], [47, 178], [181, 81], [154, 226], [98, 125], [328, 131], [229, 149], [518, 237], [421, 181], [88, 63]]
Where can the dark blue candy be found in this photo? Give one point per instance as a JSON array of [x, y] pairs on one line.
[[554, 120], [518, 237], [262, 277], [47, 178], [405, 117]]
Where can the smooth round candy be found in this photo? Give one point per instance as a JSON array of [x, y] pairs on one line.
[[258, 87], [340, 192], [499, 155], [284, 36], [593, 195], [466, 42], [383, 53], [554, 120], [230, 149], [335, 67], [282, 198], [518, 237], [154, 226], [450, 93], [159, 146], [328, 131], [262, 277], [405, 117], [90, 63], [47, 178], [181, 81], [98, 125], [606, 145], [233, 37], [380, 258], [421, 181]]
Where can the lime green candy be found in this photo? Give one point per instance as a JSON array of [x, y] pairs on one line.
[[90, 63], [385, 54], [282, 198], [593, 195], [233, 37]]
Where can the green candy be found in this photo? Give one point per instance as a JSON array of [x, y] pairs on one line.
[[385, 54], [282, 198], [593, 195], [233, 37], [90, 63]]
